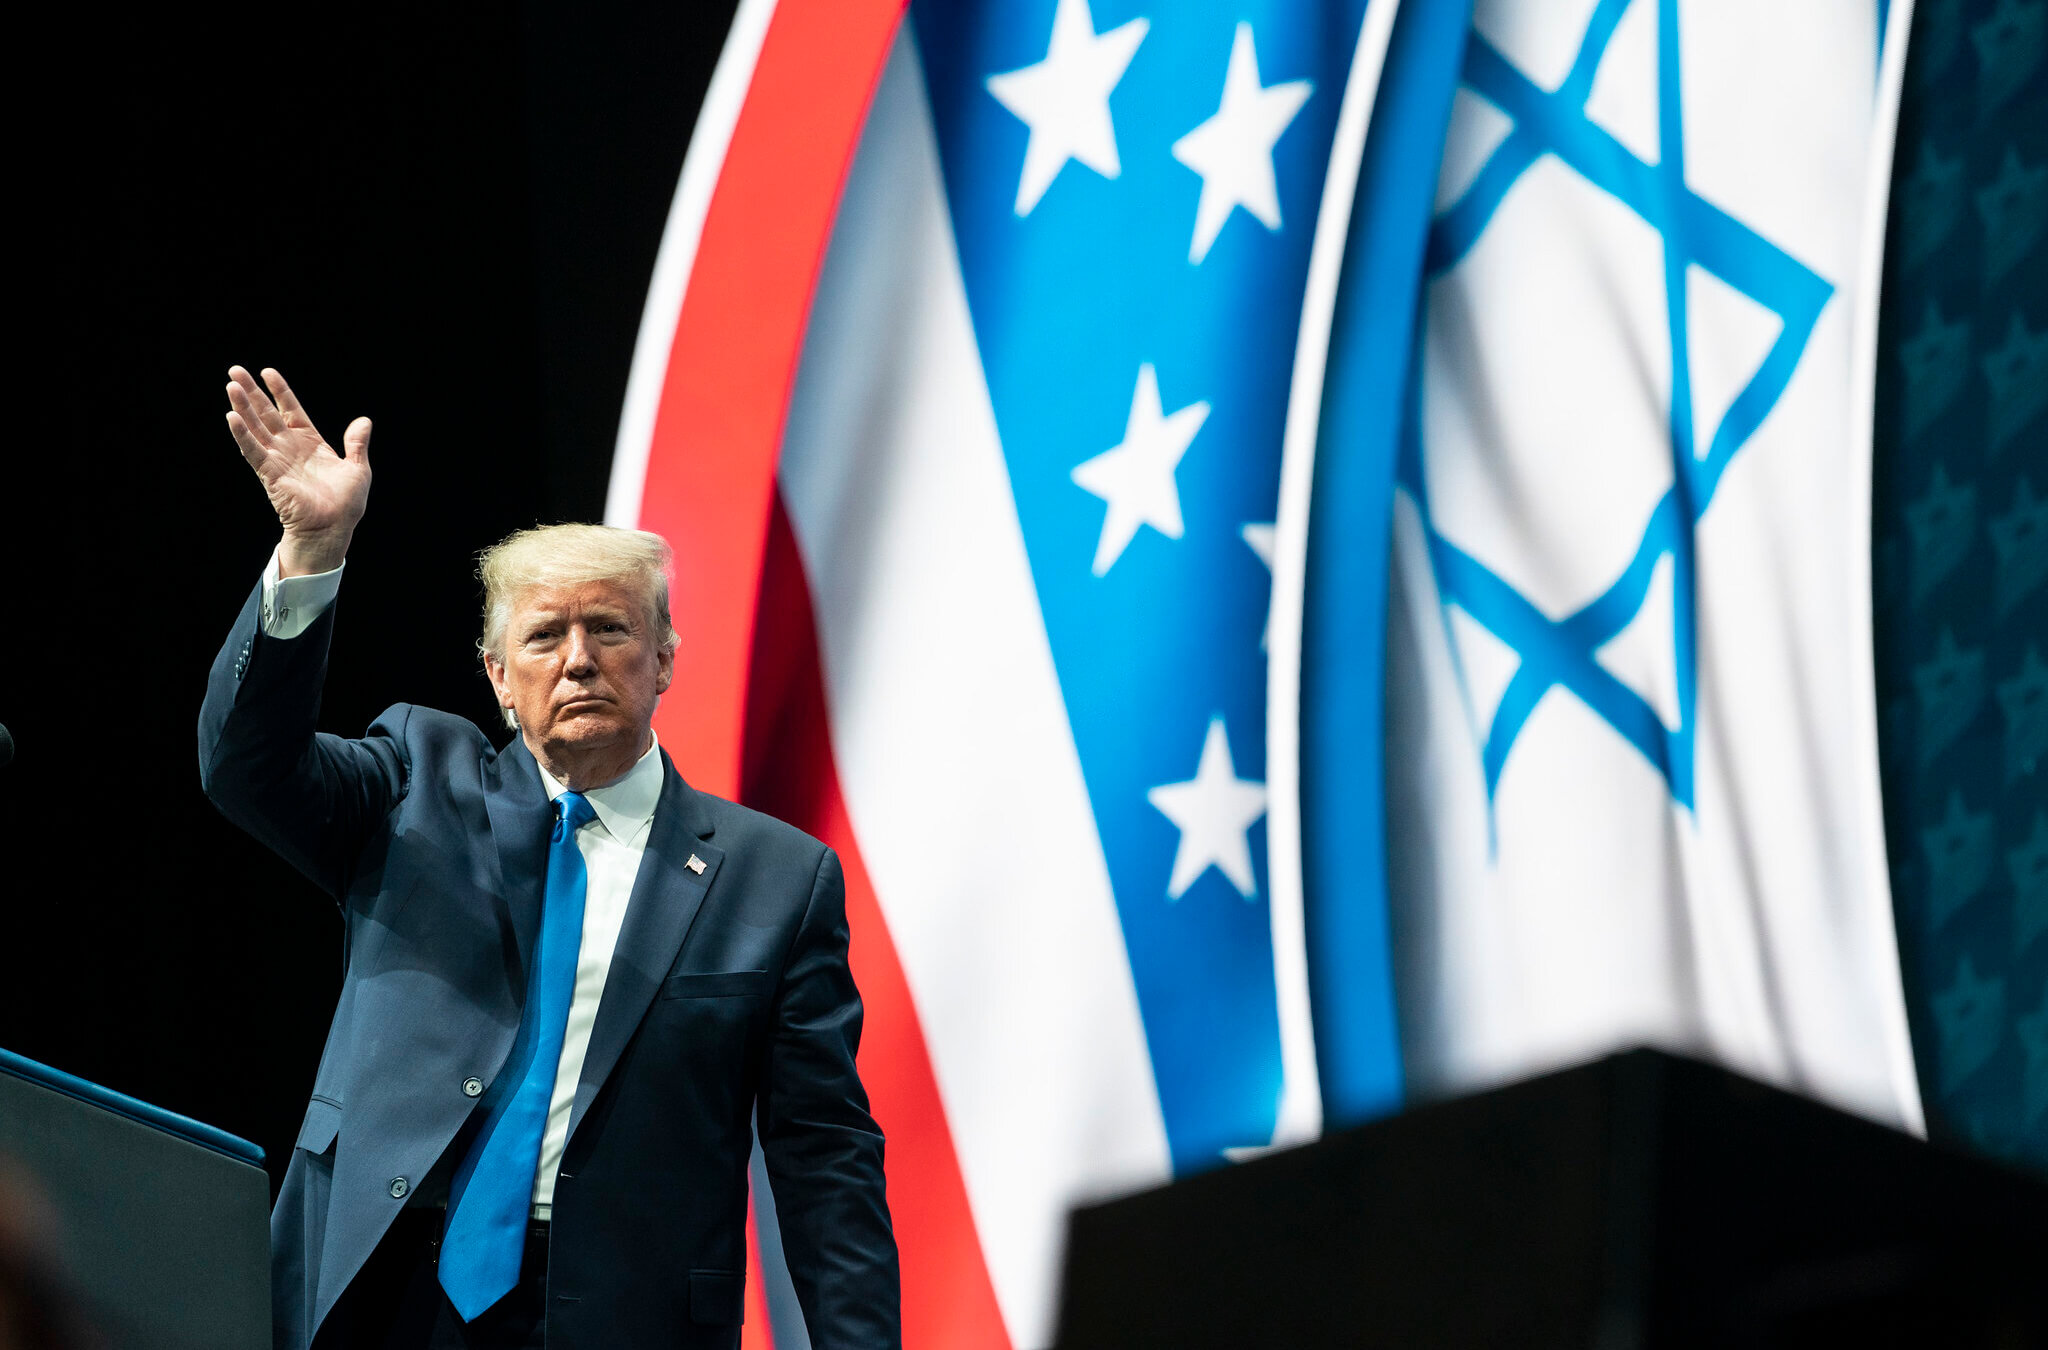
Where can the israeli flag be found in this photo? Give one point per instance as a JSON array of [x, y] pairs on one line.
[[1631, 761]]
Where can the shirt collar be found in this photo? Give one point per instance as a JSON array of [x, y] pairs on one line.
[[625, 807]]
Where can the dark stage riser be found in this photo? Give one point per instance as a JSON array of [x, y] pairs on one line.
[[1639, 1201]]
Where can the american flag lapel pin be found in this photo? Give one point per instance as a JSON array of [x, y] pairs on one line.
[[695, 864]]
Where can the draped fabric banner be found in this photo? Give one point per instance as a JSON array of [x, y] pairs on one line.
[[1632, 768], [998, 588], [1036, 393]]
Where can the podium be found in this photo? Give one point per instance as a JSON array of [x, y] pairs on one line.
[[161, 1223], [1639, 1201]]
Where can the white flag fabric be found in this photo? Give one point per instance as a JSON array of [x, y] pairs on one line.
[[1632, 765]]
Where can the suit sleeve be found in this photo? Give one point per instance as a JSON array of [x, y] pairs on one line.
[[309, 796], [823, 1149]]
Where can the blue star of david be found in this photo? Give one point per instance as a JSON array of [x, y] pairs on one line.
[[1559, 653]]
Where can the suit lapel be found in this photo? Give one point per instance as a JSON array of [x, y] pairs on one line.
[[521, 820], [665, 900]]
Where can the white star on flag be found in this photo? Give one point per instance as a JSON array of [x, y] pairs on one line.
[[1215, 811], [1064, 99], [1260, 538], [1233, 151], [1136, 476]]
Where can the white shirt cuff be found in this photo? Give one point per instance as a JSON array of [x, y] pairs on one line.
[[290, 604]]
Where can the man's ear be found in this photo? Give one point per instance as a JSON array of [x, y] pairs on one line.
[[494, 669], [664, 671]]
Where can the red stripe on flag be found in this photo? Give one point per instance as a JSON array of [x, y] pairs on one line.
[[755, 1331], [718, 429], [749, 681], [948, 1300]]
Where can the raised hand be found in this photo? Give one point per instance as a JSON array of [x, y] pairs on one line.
[[318, 494]]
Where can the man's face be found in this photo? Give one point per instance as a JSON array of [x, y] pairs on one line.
[[583, 667]]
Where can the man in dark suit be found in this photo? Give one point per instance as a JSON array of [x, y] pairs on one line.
[[573, 982]]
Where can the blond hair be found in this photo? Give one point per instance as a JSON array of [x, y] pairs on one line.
[[573, 555]]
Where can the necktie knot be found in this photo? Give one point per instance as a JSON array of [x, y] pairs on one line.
[[572, 812]]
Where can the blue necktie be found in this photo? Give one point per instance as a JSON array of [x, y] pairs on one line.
[[492, 1191]]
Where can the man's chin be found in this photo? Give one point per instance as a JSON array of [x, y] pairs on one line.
[[585, 708], [590, 729]]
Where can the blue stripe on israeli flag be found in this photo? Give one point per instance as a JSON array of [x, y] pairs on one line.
[[1344, 604]]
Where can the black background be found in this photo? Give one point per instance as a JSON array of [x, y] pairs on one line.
[[442, 217]]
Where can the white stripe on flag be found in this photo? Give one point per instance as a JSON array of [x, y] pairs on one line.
[[953, 746], [1300, 1116], [1865, 790]]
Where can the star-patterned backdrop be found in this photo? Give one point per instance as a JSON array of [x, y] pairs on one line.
[[1960, 532], [1134, 198]]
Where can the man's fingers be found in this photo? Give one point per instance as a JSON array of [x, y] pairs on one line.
[[247, 384], [286, 399], [254, 405], [246, 443], [355, 441], [246, 409], [261, 411]]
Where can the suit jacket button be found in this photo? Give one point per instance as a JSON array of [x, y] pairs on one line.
[[472, 1087], [399, 1186]]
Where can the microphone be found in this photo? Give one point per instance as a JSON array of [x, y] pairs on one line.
[[6, 747]]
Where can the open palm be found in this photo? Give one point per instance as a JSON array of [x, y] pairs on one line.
[[318, 495]]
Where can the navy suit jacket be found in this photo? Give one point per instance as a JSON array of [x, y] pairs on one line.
[[729, 1005]]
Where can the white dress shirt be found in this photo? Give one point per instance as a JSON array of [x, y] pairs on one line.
[[612, 846]]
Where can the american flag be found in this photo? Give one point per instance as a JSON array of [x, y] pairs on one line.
[[963, 391]]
